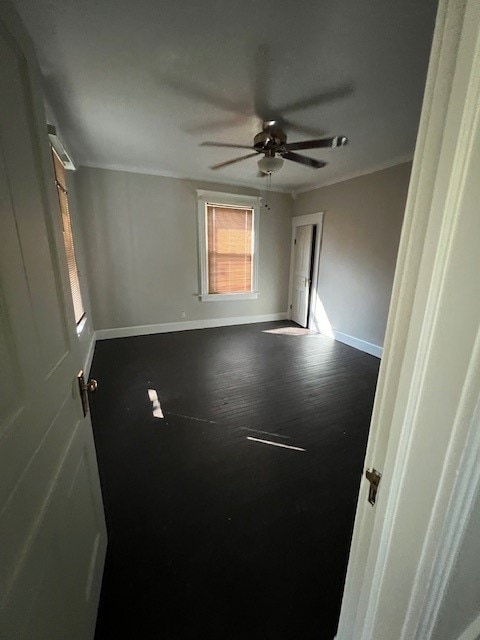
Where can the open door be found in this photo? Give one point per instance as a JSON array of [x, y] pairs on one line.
[[405, 577], [302, 274], [52, 528]]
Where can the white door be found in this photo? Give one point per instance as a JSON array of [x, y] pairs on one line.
[[424, 434], [301, 274], [52, 529]]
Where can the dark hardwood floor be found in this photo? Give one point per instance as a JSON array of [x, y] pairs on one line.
[[213, 534]]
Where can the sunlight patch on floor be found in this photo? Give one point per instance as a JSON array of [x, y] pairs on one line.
[[181, 415], [267, 433], [157, 409], [275, 444], [289, 331]]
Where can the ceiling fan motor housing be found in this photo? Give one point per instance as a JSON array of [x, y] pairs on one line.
[[269, 140]]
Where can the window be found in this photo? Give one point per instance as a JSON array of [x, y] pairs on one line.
[[228, 244], [61, 184], [230, 249]]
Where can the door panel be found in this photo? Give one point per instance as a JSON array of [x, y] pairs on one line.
[[301, 274], [52, 528], [56, 589], [10, 379], [20, 150]]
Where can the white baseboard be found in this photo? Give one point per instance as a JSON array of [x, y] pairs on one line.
[[186, 325], [472, 632], [362, 345], [89, 358]]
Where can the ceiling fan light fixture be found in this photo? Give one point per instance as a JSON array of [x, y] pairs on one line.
[[270, 164]]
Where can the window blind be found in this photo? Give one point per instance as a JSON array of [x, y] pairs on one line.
[[68, 238], [230, 249]]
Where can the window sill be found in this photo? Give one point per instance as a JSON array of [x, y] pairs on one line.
[[227, 297]]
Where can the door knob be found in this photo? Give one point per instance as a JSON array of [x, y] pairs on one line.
[[85, 387], [91, 385]]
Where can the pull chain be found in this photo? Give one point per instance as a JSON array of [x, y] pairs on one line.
[[268, 186]]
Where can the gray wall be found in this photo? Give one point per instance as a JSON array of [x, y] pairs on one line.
[[361, 232], [141, 250]]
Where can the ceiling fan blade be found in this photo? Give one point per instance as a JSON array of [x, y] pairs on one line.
[[219, 125], [320, 98], [262, 75], [199, 92], [302, 129], [225, 144], [309, 162], [322, 143], [220, 165]]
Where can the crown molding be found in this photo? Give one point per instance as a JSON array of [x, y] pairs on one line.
[[179, 176], [354, 174], [293, 192]]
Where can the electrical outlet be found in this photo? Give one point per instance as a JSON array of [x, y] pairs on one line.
[[182, 315]]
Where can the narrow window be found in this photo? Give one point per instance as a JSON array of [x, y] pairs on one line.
[[230, 249], [61, 184], [228, 242]]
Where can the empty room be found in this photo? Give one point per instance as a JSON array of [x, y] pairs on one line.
[[239, 322]]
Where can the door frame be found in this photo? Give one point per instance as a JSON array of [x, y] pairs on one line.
[[444, 154], [315, 219]]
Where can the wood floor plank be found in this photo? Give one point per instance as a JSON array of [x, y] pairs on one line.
[[213, 534]]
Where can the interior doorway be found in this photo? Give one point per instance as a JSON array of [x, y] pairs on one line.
[[304, 265]]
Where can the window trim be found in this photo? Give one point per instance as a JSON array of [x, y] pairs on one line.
[[82, 321], [219, 198]]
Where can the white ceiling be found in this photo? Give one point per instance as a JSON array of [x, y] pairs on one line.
[[138, 85]]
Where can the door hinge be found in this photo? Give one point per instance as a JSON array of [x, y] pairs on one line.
[[290, 306], [295, 241], [373, 476]]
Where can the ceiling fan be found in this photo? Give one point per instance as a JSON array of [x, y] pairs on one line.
[[272, 143]]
